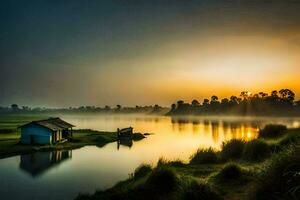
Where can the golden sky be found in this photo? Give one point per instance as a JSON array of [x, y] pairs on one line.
[[121, 52]]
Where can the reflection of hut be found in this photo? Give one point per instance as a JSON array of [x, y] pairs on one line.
[[47, 131], [37, 163]]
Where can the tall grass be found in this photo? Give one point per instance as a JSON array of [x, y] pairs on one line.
[[229, 172], [281, 179], [200, 191], [290, 139], [162, 162], [204, 156], [142, 171], [256, 150], [232, 149], [162, 180]]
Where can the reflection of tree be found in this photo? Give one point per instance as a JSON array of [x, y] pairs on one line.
[[181, 126], [196, 127], [215, 131], [238, 129], [226, 130], [206, 124]]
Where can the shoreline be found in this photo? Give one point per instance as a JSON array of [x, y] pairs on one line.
[[81, 138]]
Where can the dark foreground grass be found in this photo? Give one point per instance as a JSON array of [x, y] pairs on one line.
[[200, 191], [229, 172], [142, 171], [204, 156], [233, 149], [256, 150], [281, 179], [162, 183]]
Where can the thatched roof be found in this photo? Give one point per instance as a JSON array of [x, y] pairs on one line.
[[53, 124]]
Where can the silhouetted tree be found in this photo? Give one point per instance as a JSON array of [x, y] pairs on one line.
[[282, 102], [214, 98], [14, 107], [119, 107], [173, 107], [205, 102], [224, 101], [179, 103], [195, 103]]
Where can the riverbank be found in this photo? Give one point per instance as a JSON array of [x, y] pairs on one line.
[[265, 168], [10, 137], [10, 142]]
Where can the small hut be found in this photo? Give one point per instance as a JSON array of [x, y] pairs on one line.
[[47, 131]]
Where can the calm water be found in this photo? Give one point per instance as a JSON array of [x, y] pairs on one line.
[[63, 174]]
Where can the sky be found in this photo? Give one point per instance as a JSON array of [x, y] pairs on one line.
[[132, 52]]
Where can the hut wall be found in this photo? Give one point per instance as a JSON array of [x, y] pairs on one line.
[[36, 134]]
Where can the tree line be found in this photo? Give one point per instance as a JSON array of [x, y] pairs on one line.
[[280, 102], [15, 108]]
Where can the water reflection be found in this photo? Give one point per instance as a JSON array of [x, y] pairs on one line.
[[188, 132], [218, 130], [38, 163]]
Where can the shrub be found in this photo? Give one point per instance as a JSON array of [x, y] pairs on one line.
[[200, 191], [162, 162], [272, 130], [256, 150], [229, 172], [162, 180], [142, 171], [204, 156], [281, 179], [232, 149]]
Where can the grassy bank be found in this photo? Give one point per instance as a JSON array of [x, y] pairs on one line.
[[10, 145], [265, 168], [10, 137]]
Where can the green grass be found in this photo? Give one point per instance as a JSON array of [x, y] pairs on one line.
[[200, 191], [256, 150], [9, 143], [142, 171], [281, 178], [10, 137], [229, 172], [204, 156], [232, 149]]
